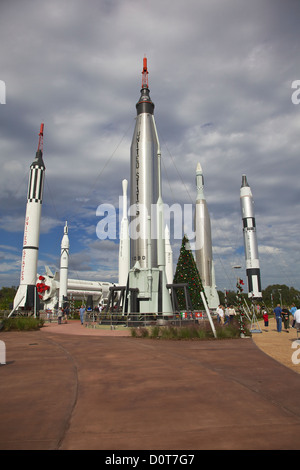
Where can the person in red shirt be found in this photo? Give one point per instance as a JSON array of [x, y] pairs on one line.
[[265, 317]]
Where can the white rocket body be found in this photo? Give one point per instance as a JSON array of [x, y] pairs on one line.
[[203, 246], [146, 289], [250, 240], [49, 288], [124, 249], [26, 296], [64, 266], [143, 189]]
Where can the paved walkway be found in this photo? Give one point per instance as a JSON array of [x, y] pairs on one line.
[[71, 387]]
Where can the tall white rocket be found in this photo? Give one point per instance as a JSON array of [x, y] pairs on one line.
[[143, 179], [147, 291], [26, 296], [64, 267], [203, 249], [250, 240], [124, 249]]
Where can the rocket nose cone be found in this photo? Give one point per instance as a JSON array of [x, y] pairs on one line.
[[244, 181], [145, 104], [124, 186], [199, 168]]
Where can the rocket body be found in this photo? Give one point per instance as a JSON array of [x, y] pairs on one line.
[[64, 267], [26, 296], [203, 247], [147, 282], [250, 240], [143, 182], [203, 232], [124, 250]]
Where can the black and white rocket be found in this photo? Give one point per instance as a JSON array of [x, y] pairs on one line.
[[250, 240], [26, 296], [64, 267], [203, 245]]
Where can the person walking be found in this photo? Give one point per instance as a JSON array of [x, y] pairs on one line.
[[59, 316], [277, 314], [293, 310], [220, 314], [286, 318], [232, 313], [297, 318], [82, 312], [265, 316]]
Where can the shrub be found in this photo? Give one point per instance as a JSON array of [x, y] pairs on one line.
[[21, 323], [201, 331], [155, 330]]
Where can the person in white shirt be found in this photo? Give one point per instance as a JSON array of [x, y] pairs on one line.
[[297, 318], [231, 312], [220, 313]]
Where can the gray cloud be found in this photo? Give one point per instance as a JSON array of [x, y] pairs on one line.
[[220, 77]]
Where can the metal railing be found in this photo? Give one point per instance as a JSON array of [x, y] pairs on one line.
[[95, 319]]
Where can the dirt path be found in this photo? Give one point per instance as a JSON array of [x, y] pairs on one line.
[[280, 346]]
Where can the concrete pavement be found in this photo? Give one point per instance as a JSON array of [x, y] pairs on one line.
[[91, 390]]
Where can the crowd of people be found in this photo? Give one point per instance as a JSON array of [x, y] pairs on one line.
[[225, 314], [282, 314]]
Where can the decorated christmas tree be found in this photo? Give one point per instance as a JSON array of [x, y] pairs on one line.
[[239, 285], [187, 272]]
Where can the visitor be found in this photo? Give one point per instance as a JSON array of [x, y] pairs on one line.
[[59, 316], [286, 318], [82, 312], [277, 314], [265, 316], [293, 310], [226, 313], [220, 314], [297, 318], [66, 313], [231, 312]]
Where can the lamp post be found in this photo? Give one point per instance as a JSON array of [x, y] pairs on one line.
[[279, 290]]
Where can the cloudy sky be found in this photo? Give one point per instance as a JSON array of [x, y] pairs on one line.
[[220, 75]]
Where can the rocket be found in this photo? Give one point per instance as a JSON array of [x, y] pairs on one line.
[[250, 240], [143, 178], [26, 296], [124, 249], [146, 287], [203, 245], [64, 266]]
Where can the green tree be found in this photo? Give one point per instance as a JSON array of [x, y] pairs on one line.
[[280, 293], [7, 295], [187, 272]]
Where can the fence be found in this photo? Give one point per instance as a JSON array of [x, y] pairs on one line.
[[95, 319]]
